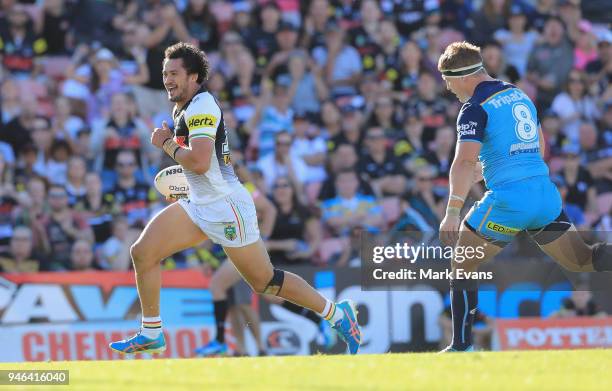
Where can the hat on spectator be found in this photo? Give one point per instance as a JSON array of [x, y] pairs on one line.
[[242, 6], [604, 36], [104, 55], [585, 26], [516, 10], [286, 26]]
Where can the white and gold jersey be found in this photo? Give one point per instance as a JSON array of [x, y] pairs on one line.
[[202, 117]]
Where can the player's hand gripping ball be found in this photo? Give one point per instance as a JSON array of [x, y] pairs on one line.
[[172, 183]]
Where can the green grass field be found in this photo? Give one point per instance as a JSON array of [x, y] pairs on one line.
[[549, 370]]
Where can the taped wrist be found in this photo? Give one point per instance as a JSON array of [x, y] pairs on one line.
[[170, 147]]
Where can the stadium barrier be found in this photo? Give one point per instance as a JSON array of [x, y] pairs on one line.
[[74, 315], [553, 333]]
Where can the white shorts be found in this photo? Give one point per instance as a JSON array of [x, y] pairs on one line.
[[230, 221]]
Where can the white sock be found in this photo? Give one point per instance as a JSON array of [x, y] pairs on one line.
[[329, 313], [151, 327]]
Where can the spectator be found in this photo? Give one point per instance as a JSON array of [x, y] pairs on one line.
[[441, 156], [285, 46], [308, 88], [81, 256], [115, 252], [344, 158], [423, 208], [586, 46], [384, 116], [580, 198], [315, 24], [57, 166], [308, 152], [408, 145], [598, 160], [21, 46], [17, 132], [410, 15], [10, 101], [133, 196], [490, 18], [75, 183], [296, 234], [544, 10], [123, 130], [550, 62], [201, 24], [428, 105], [19, 257], [365, 36], [574, 105], [380, 167], [351, 126], [350, 209], [410, 65], [279, 163], [517, 41], [98, 208], [262, 39], [272, 115], [495, 64], [66, 125], [331, 121], [553, 136], [340, 61], [61, 228], [56, 27], [579, 303], [8, 203], [42, 136]]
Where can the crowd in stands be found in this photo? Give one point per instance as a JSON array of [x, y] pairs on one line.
[[334, 108]]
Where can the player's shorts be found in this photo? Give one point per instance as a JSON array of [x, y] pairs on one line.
[[503, 212], [230, 221]]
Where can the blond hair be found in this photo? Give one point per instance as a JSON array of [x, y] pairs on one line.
[[459, 55]]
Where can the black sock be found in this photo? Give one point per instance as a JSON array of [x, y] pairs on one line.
[[602, 257], [464, 300], [305, 312], [220, 307]]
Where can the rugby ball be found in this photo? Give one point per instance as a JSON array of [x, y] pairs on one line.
[[171, 182]]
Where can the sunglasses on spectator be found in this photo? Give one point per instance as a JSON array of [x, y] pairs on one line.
[[376, 136], [575, 80], [287, 143], [424, 178], [126, 164], [281, 185]]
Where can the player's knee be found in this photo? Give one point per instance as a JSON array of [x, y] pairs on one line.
[[140, 255], [270, 286]]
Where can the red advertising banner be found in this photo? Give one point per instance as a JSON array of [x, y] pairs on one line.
[[554, 333]]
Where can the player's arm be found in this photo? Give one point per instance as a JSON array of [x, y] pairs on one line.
[[471, 124], [462, 172], [202, 118]]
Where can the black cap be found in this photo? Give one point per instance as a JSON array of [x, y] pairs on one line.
[[286, 26]]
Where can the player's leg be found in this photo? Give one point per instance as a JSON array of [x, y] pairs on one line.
[[224, 278], [253, 321], [327, 337], [170, 231], [464, 292], [561, 241], [254, 264], [238, 325]]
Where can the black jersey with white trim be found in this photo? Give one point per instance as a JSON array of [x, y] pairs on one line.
[[202, 117]]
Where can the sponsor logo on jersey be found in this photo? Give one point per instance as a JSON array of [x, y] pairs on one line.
[[230, 231], [468, 129], [506, 99], [201, 121], [501, 228], [524, 148]]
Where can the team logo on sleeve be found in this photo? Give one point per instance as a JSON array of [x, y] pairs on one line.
[[201, 121]]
